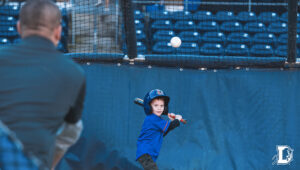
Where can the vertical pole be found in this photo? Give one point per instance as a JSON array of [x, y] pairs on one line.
[[95, 29], [292, 31], [130, 35], [186, 3], [73, 23], [117, 22], [249, 6]]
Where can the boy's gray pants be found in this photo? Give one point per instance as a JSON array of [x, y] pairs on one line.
[[147, 162]]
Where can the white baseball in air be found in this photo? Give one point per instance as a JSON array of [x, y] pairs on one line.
[[175, 42]]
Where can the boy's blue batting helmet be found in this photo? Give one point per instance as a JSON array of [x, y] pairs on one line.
[[154, 94]]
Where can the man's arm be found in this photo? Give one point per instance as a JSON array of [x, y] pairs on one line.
[[71, 129], [75, 111], [69, 135]]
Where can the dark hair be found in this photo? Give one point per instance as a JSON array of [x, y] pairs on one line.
[[159, 98], [39, 13]]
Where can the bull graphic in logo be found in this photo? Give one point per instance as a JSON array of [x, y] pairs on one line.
[[159, 92]]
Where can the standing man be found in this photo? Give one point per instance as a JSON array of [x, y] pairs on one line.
[[40, 89]]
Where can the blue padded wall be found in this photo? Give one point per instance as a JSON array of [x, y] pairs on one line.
[[235, 118]]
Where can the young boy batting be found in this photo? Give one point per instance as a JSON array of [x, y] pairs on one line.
[[154, 128]]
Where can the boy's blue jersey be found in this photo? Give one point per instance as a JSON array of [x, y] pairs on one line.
[[151, 137]]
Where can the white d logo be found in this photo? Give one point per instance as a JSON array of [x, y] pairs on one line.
[[281, 159]]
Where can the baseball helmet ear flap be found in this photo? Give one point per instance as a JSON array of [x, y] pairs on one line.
[[166, 110]]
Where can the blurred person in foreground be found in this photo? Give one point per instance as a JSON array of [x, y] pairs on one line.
[[41, 90]]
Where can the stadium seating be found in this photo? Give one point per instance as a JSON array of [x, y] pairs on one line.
[[182, 15], [9, 10], [254, 27], [203, 16], [8, 31], [139, 24], [185, 25], [160, 15], [212, 49], [154, 8], [141, 48], [4, 41], [192, 6], [277, 28], [7, 21], [162, 24], [281, 51], [268, 17], [9, 35], [246, 17], [188, 48], [238, 38], [261, 50], [264, 38], [163, 35], [190, 36], [60, 47], [237, 50], [63, 34], [223, 16], [205, 26], [64, 15], [284, 17], [17, 40], [65, 28], [239, 28], [213, 37], [140, 35], [163, 47], [240, 32], [283, 39], [231, 26], [138, 15]]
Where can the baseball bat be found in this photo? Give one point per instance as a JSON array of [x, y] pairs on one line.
[[140, 102]]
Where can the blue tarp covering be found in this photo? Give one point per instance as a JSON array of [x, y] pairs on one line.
[[236, 118]]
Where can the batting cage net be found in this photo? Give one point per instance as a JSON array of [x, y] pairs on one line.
[[219, 33], [95, 26]]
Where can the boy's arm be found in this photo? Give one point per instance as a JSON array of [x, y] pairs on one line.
[[72, 128], [175, 123]]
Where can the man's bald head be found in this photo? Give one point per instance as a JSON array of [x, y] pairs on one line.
[[42, 18], [39, 14]]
